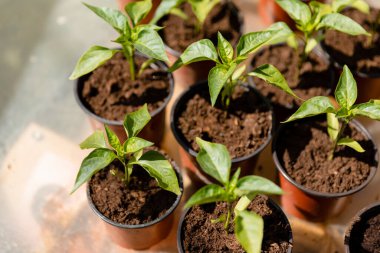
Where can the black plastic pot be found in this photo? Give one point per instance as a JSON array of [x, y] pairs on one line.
[[274, 207], [355, 231], [141, 236], [153, 131], [188, 155], [308, 204]]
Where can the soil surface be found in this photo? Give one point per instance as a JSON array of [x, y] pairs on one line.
[[371, 237], [143, 201], [243, 128], [304, 149], [358, 52], [200, 235], [110, 93], [178, 33], [313, 79]]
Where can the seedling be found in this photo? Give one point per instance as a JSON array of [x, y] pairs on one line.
[[337, 118], [215, 160], [129, 154], [132, 36]]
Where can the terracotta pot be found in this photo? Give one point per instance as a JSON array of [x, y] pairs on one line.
[[153, 131], [273, 206], [355, 230], [309, 204], [146, 20], [188, 155], [140, 236]]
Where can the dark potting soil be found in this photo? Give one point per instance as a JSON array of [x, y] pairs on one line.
[[303, 150], [178, 33], [200, 235], [371, 237], [313, 79], [243, 128], [358, 52], [143, 201], [110, 93]]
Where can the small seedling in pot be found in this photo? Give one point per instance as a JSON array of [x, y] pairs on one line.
[[337, 118], [132, 36], [215, 160], [130, 153]]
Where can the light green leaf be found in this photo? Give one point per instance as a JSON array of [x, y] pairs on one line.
[[113, 140], [91, 59], [341, 23], [351, 143], [178, 12], [272, 75], [201, 8], [134, 144], [160, 169], [370, 109], [314, 106], [257, 185], [319, 10], [346, 91], [150, 43], [297, 10], [164, 8], [238, 72], [310, 45], [217, 78], [95, 161], [250, 42], [95, 140], [208, 194], [244, 202], [282, 34], [332, 126], [138, 10], [134, 122], [113, 17], [339, 5], [214, 160], [249, 231], [226, 52]]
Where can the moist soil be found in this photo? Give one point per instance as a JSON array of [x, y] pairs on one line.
[[109, 92], [199, 234], [178, 33], [303, 150], [371, 237], [313, 79], [358, 52], [243, 128], [142, 202]]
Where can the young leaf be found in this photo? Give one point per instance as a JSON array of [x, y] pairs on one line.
[[95, 161], [150, 43], [207, 194], [282, 34], [134, 144], [214, 160], [244, 202], [297, 10], [351, 143], [91, 59], [310, 45], [332, 126], [134, 122], [164, 8], [370, 109], [361, 5], [257, 185], [201, 8], [272, 75], [113, 140], [178, 12], [138, 10], [249, 42], [234, 179], [238, 72], [314, 106], [346, 91], [249, 230], [341, 23], [217, 77], [159, 168], [226, 52], [95, 140]]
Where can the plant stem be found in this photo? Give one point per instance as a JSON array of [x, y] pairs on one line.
[[341, 131], [227, 222], [131, 61]]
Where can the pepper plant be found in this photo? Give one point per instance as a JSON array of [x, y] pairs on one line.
[[337, 118], [130, 153], [215, 160], [132, 36]]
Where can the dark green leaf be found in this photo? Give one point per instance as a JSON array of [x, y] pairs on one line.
[[164, 8], [370, 109], [208, 194], [341, 23], [346, 90], [217, 78], [297, 10], [351, 143], [134, 122], [332, 126], [113, 140], [314, 106], [95, 140], [138, 10], [249, 230], [113, 17], [226, 52], [257, 185], [134, 144], [150, 43]]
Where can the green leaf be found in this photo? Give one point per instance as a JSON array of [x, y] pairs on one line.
[[346, 91], [202, 50], [95, 140], [238, 72], [341, 23], [249, 231], [310, 45], [272, 75], [244, 202], [113, 17], [370, 109], [159, 168], [214, 160], [250, 42], [178, 12], [297, 10], [314, 106], [351, 143], [95, 161], [134, 144], [234, 179], [257, 185], [361, 5], [226, 52], [134, 122], [208, 194], [201, 8], [138, 10], [113, 140], [164, 8], [217, 78], [91, 59], [150, 43], [332, 126], [282, 34]]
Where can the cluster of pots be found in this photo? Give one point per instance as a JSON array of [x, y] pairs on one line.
[[298, 201]]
